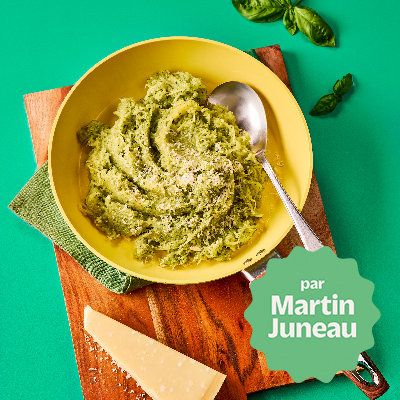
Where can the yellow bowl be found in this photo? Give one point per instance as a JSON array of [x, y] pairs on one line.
[[124, 74]]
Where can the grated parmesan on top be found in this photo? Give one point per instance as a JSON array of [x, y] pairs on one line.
[[173, 173]]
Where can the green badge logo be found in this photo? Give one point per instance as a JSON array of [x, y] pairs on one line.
[[312, 314]]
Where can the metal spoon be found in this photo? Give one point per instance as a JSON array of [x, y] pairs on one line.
[[249, 111]]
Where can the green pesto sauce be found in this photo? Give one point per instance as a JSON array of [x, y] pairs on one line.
[[174, 173]]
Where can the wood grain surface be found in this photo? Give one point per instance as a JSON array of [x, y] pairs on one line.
[[203, 321]]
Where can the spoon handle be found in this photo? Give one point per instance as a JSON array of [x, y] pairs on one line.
[[307, 235]]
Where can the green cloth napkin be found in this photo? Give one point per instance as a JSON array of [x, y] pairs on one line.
[[36, 205]]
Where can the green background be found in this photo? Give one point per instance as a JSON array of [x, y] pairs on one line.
[[51, 44]]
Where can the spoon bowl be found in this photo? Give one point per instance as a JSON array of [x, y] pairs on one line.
[[248, 109]]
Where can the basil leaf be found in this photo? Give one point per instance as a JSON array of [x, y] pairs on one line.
[[289, 20], [342, 86], [326, 104], [284, 3], [314, 27], [261, 10]]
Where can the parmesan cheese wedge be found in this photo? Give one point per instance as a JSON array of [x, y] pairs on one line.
[[163, 373]]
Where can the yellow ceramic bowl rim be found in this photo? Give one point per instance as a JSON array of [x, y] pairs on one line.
[[129, 272]]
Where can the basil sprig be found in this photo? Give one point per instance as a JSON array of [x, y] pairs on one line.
[[326, 104], [305, 19]]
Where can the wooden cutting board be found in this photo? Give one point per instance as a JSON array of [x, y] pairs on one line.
[[204, 321]]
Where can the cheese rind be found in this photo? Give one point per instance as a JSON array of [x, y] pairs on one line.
[[162, 372]]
